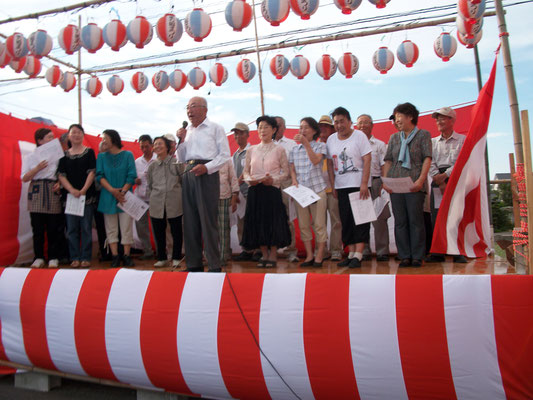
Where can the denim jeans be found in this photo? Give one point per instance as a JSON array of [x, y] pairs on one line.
[[79, 234]]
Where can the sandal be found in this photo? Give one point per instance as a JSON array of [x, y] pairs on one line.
[[75, 264], [85, 264], [270, 264], [261, 263]]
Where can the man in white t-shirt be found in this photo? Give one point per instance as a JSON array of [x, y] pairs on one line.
[[349, 159]]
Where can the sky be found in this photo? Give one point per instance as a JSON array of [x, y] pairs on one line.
[[429, 84]]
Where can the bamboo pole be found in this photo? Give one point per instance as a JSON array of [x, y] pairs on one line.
[[529, 183], [514, 191], [79, 78], [259, 69]]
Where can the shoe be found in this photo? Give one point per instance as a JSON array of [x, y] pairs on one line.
[[270, 264], [38, 263], [75, 264], [261, 263], [146, 256], [460, 259], [318, 264], [435, 258], [382, 258], [115, 261], [309, 263], [416, 263], [127, 261], [367, 257], [85, 264], [292, 258], [354, 263], [406, 262], [161, 264], [214, 269], [244, 256], [397, 258], [107, 257], [257, 256], [335, 256], [53, 263], [345, 262], [176, 263]]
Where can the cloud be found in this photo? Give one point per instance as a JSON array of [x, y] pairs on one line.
[[374, 81], [493, 135], [467, 79]]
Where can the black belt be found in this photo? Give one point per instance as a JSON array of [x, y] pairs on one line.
[[196, 162], [376, 177], [441, 171]]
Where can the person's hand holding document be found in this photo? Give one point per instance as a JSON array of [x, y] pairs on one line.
[[303, 195], [398, 185], [51, 151], [363, 210], [133, 206], [75, 205]]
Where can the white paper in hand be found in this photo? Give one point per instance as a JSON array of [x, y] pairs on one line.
[[133, 206], [75, 205], [363, 210]]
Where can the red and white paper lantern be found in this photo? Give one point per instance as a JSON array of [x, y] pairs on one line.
[[218, 74], [407, 53], [471, 11], [300, 66], [383, 60], [18, 65], [198, 24], [115, 85], [275, 11], [4, 57], [304, 8], [160, 81], [69, 39], [40, 43], [379, 3], [347, 6], [469, 43], [348, 65], [177, 79], [94, 86], [17, 46], [69, 81], [238, 14], [245, 70], [140, 31], [54, 75], [169, 29], [139, 81], [92, 38], [33, 66], [279, 66], [445, 46], [467, 29], [115, 35], [196, 78], [326, 66]]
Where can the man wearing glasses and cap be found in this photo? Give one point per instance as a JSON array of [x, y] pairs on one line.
[[446, 148]]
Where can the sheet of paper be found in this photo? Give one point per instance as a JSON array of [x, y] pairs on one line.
[[241, 206], [437, 197], [381, 202], [75, 205], [292, 210], [399, 185], [362, 210], [51, 151], [303, 195], [133, 206], [233, 219]]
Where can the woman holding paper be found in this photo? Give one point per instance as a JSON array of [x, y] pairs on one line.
[[265, 221], [164, 191], [115, 171], [305, 160], [44, 202], [76, 173]]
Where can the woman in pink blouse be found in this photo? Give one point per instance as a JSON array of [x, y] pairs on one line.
[[265, 221]]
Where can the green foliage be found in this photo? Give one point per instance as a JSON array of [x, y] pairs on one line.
[[502, 208]]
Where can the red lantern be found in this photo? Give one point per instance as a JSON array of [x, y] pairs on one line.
[[304, 8], [40, 43], [160, 81], [69, 81], [347, 6], [178, 79], [275, 11], [407, 53], [198, 24], [4, 57], [115, 85], [467, 29], [54, 76], [33, 66], [114, 34], [18, 65], [348, 65], [445, 46], [69, 39], [238, 14], [471, 11], [379, 3], [140, 31], [196, 78], [139, 81], [279, 66], [218, 74], [300, 66], [326, 66], [169, 29], [16, 46], [245, 70], [94, 86], [383, 60]]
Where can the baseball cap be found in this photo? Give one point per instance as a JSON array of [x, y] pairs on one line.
[[170, 136], [447, 111], [325, 119], [241, 126]]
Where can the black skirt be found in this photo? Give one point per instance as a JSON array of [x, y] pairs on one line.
[[265, 221]]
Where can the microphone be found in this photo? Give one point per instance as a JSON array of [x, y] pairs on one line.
[[185, 124]]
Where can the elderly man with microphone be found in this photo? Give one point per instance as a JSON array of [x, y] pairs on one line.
[[203, 147]]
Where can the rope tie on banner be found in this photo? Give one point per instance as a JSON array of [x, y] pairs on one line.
[[503, 34], [520, 235]]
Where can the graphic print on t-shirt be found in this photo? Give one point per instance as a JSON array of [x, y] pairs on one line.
[[347, 164]]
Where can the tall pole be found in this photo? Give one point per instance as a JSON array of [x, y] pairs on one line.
[[79, 77], [259, 71]]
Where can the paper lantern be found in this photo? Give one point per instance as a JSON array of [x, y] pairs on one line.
[[114, 34], [198, 24], [177, 79], [467, 29], [69, 39], [94, 86], [300, 66], [238, 14], [471, 11], [196, 78], [347, 6], [115, 85], [160, 81], [445, 46], [33, 66], [17, 46], [275, 11], [40, 43], [379, 3], [169, 29], [279, 66], [218, 74], [69, 81], [140, 31], [18, 65], [407, 53], [304, 8], [54, 76], [139, 81], [469, 43], [348, 65], [245, 70], [326, 66], [92, 38], [4, 57], [383, 60]]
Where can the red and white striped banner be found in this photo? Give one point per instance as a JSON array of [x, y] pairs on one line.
[[321, 336]]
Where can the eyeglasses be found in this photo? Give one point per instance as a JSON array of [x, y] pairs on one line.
[[191, 107]]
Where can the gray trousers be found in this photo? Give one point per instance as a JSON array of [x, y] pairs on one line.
[[381, 228], [409, 229], [143, 231], [200, 219]]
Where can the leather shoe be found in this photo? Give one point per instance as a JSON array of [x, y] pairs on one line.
[[460, 259], [307, 263], [435, 258], [406, 262], [127, 261], [244, 256], [318, 264], [416, 263], [345, 262], [367, 257], [382, 258], [115, 261], [354, 263]]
